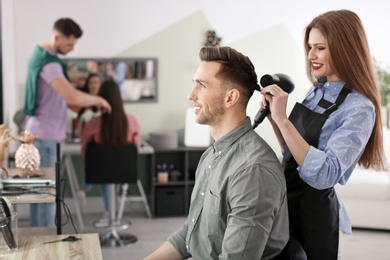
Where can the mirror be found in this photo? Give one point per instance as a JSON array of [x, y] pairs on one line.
[[136, 77]]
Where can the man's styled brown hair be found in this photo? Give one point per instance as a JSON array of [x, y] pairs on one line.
[[68, 27], [236, 69]]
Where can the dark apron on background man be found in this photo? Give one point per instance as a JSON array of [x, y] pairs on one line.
[[313, 214]]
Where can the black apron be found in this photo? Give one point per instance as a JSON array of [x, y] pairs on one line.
[[313, 214]]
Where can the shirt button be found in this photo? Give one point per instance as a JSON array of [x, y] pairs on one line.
[[202, 194], [193, 220], [219, 152], [187, 247], [209, 166]]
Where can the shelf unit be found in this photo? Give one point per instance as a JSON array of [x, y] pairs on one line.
[[173, 198]]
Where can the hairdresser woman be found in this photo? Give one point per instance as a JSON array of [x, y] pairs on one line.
[[337, 125]]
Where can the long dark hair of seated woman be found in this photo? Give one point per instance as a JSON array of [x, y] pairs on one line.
[[113, 130]]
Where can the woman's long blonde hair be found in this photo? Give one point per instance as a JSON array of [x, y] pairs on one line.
[[351, 61]]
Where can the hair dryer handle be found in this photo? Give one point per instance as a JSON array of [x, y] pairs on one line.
[[261, 114]]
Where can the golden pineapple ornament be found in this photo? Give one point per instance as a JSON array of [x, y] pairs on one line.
[[27, 158]]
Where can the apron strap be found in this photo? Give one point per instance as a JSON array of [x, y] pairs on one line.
[[329, 106]]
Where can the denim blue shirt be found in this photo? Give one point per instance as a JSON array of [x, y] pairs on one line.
[[239, 201], [342, 141]]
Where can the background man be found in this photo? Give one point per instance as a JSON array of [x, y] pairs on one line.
[[48, 93]]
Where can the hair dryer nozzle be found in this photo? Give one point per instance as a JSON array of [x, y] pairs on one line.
[[282, 80]]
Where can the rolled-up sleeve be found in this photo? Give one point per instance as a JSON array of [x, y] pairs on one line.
[[341, 144], [178, 240]]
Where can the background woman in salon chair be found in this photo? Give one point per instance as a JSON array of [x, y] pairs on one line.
[[337, 125], [115, 129], [91, 86]]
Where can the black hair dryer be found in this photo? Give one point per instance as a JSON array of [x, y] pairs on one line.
[[283, 81]]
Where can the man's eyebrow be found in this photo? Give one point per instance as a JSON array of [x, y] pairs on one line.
[[199, 81]]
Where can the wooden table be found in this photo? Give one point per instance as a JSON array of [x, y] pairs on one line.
[[47, 173], [33, 247]]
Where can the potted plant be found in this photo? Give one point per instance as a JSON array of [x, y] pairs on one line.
[[384, 83]]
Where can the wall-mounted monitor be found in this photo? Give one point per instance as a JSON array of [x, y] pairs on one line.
[[137, 78]]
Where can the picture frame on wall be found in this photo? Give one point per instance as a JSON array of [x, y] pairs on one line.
[[137, 78]]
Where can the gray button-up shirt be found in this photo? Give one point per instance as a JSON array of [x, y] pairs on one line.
[[238, 204]]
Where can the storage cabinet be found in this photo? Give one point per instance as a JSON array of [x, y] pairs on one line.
[[172, 198]]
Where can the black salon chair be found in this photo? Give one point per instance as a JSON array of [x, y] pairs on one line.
[[112, 165], [292, 251]]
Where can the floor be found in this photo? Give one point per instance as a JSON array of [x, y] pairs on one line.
[[151, 233]]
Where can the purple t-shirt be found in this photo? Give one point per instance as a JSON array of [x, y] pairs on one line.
[[49, 121]]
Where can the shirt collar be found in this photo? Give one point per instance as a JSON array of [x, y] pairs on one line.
[[232, 136], [330, 88], [333, 88]]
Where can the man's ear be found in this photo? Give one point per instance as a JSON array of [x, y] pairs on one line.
[[56, 36], [232, 97]]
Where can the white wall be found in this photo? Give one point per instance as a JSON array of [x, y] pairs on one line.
[[10, 92], [269, 32]]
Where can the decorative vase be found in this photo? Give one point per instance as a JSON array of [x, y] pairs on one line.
[[27, 158]]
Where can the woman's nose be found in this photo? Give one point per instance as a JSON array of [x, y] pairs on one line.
[[311, 55]]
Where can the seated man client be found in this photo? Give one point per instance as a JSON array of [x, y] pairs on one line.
[[238, 205]]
